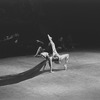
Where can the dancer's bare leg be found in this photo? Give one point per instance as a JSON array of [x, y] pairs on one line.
[[48, 58], [50, 64], [44, 67], [66, 58], [55, 53]]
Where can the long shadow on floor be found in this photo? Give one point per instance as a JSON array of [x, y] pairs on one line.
[[19, 77]]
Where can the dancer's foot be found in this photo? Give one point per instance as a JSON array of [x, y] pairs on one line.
[[51, 71], [65, 67]]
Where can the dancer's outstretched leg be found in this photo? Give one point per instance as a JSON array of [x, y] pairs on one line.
[[55, 53]]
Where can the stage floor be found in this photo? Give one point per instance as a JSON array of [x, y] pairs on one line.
[[80, 82]]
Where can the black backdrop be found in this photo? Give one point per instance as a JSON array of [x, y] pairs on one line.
[[34, 19]]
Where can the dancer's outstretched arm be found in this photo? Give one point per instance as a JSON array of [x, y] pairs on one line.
[[38, 52]]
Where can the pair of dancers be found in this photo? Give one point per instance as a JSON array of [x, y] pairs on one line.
[[55, 57]]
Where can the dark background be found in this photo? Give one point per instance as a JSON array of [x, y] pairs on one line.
[[33, 19]]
